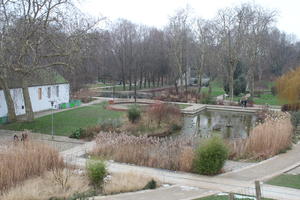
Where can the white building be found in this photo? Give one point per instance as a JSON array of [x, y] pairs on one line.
[[40, 96]]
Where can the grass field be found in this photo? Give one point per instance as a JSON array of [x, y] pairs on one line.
[[216, 89], [66, 122], [286, 180]]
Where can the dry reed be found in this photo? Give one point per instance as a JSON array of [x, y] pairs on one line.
[[46, 186], [168, 153], [267, 139], [23, 160], [126, 182]]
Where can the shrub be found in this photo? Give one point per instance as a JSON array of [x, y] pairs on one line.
[[150, 185], [77, 133], [134, 114], [211, 156], [238, 87], [96, 171], [290, 107], [161, 112]]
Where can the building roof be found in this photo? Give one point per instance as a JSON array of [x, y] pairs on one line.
[[38, 78]]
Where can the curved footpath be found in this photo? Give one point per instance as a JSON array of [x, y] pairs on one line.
[[240, 181]]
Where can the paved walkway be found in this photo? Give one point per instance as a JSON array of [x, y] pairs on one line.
[[240, 181], [61, 143], [175, 192], [269, 168]]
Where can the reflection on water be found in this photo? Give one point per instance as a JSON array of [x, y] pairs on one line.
[[224, 123]]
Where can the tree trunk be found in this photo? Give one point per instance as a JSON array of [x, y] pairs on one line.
[[231, 82], [135, 91], [11, 115], [145, 81], [252, 84], [176, 87], [28, 106], [141, 79], [130, 82]]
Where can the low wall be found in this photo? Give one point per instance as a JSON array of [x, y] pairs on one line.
[[71, 104], [3, 120]]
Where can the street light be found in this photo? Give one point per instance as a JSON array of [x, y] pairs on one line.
[[52, 127]]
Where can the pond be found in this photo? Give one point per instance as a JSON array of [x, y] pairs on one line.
[[227, 124]]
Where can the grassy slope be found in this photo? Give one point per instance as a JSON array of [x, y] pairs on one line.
[[217, 89], [67, 121], [286, 180]]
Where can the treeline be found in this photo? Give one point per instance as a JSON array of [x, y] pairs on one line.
[[241, 45]]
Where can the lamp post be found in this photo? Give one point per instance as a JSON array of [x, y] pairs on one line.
[[52, 125]]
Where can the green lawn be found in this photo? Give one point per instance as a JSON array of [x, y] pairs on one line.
[[266, 98], [286, 180], [67, 121], [224, 197], [217, 89]]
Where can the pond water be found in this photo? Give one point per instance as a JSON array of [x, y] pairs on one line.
[[227, 124]]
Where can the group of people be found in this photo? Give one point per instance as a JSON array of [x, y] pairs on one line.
[[24, 137]]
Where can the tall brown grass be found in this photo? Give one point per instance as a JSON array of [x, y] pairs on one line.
[[126, 182], [267, 139], [46, 186], [21, 161], [168, 153]]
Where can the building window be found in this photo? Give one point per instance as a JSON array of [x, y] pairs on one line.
[[49, 92], [57, 91], [40, 93]]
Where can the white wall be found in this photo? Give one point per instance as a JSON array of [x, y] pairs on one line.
[[37, 104]]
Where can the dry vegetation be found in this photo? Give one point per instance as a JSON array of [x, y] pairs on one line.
[[168, 153], [46, 186], [126, 182], [23, 160], [267, 139], [160, 119]]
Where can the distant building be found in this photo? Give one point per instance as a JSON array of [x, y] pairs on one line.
[[42, 91]]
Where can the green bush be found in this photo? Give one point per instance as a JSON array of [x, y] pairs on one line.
[[210, 156], [96, 171], [150, 185], [134, 114], [77, 133]]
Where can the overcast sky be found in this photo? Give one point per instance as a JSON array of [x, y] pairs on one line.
[[156, 12]]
